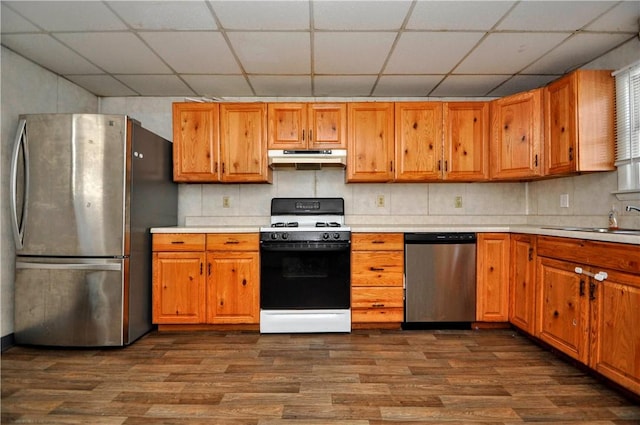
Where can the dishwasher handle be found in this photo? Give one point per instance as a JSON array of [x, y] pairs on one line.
[[440, 238]]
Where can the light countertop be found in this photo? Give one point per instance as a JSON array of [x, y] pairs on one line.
[[399, 228]]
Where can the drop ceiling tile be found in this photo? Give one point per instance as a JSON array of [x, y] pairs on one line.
[[262, 15], [351, 52], [623, 17], [457, 15], [49, 53], [272, 52], [165, 15], [218, 85], [430, 52], [280, 85], [359, 15], [115, 52], [468, 85], [553, 15], [102, 85], [10, 21], [174, 47], [406, 85], [576, 51], [69, 15], [156, 85], [343, 86], [505, 53], [520, 83]]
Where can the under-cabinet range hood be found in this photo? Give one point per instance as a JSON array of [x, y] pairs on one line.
[[307, 159]]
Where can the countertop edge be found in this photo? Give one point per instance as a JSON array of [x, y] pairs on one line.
[[534, 230]]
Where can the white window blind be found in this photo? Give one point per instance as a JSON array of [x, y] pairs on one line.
[[628, 127]]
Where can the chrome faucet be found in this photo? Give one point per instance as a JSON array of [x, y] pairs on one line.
[[631, 207]]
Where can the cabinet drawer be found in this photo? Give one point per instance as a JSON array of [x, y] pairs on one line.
[[377, 315], [178, 242], [233, 242], [377, 297], [377, 268], [377, 242]]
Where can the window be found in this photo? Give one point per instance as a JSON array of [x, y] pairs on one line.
[[628, 127]]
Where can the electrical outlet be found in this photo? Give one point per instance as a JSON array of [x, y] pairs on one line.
[[380, 201], [564, 200], [226, 203], [458, 202]]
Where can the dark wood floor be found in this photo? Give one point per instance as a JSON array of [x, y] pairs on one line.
[[367, 377]]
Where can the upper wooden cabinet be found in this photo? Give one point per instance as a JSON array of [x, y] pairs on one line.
[[370, 141], [220, 142], [307, 125], [517, 136], [466, 141], [243, 143], [579, 123], [418, 141], [196, 141]]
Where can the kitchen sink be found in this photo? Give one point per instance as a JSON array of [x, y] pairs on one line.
[[619, 231]]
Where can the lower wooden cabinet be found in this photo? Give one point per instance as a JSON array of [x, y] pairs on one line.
[[206, 279], [377, 275], [492, 277], [522, 282]]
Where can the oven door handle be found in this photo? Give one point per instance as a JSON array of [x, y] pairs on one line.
[[297, 247]]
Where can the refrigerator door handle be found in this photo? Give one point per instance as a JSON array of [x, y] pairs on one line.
[[18, 225], [69, 266]]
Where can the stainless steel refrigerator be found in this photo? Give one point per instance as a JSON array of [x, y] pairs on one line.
[[85, 190]]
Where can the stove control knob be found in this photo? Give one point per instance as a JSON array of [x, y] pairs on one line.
[[285, 236], [336, 236], [325, 236], [274, 236]]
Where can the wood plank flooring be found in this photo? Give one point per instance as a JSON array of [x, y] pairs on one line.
[[489, 377]]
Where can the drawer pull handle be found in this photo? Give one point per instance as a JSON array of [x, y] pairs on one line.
[[232, 242], [377, 305], [377, 241], [376, 269], [177, 242]]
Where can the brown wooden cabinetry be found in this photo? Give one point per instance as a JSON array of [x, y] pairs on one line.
[[233, 284], [377, 270], [579, 123], [206, 279], [522, 287], [591, 313], [466, 141], [196, 142], [370, 142], [307, 125], [178, 279], [492, 292], [517, 136]]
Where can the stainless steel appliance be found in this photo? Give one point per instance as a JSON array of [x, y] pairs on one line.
[[440, 277], [305, 283], [85, 189]]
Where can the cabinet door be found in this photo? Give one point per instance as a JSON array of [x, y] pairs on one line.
[[492, 292], [178, 287], [560, 126], [243, 143], [466, 141], [327, 126], [287, 126], [516, 136], [522, 282], [563, 307], [233, 287], [418, 144], [195, 142], [370, 142], [615, 334]]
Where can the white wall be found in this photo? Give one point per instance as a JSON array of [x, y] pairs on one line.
[[25, 88]]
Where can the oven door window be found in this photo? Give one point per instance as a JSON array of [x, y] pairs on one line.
[[305, 279]]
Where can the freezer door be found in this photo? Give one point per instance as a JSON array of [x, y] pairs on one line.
[[70, 304], [74, 167]]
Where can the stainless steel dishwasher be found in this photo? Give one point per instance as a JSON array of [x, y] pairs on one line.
[[440, 278]]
